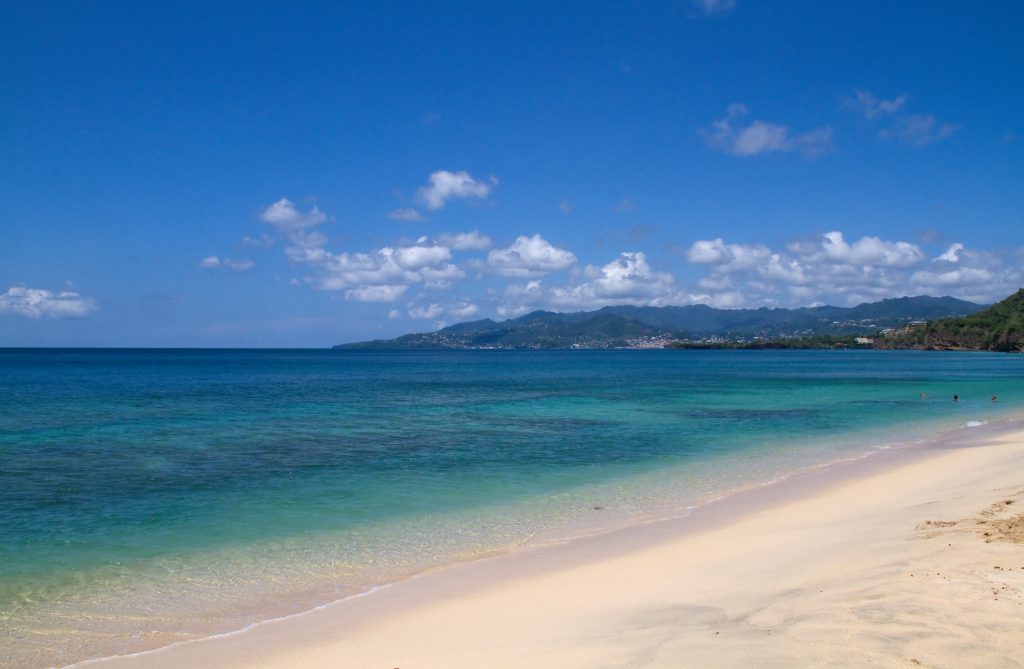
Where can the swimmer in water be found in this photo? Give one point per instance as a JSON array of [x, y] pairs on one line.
[[956, 398], [995, 399]]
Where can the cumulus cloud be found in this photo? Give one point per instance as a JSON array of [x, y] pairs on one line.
[[443, 186], [626, 280], [726, 257], [870, 251], [405, 214], [38, 302], [529, 257], [982, 276], [912, 129], [732, 135], [285, 217], [418, 257], [467, 241], [214, 262], [830, 269], [382, 275]]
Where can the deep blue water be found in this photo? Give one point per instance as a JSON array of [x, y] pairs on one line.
[[193, 491]]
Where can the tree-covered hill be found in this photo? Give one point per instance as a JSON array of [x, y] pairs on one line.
[[997, 328]]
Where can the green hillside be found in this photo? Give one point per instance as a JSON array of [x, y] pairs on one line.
[[618, 326], [997, 328]]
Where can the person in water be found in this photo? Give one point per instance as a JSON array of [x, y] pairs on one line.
[[956, 398], [995, 399]]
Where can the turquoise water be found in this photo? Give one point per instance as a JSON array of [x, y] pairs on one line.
[[148, 497]]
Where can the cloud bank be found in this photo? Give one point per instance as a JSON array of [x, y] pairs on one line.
[[462, 275]]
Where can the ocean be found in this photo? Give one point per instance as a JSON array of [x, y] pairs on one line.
[[154, 496]]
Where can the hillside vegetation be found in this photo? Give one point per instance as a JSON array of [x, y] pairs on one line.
[[997, 328]]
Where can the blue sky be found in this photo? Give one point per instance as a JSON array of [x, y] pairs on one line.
[[256, 174]]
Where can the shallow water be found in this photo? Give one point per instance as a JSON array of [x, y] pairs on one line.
[[153, 496]]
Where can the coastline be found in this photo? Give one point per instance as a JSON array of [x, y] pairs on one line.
[[664, 593]]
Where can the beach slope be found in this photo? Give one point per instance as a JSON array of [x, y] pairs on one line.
[[900, 562]]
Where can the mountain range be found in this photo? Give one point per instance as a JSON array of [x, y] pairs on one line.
[[654, 327]]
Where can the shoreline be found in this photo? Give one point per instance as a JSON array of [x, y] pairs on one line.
[[373, 609]]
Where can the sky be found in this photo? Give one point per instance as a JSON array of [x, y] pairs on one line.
[[254, 174]]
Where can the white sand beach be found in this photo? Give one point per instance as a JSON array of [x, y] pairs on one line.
[[900, 560]]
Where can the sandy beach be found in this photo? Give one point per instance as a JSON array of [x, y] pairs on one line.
[[904, 559]]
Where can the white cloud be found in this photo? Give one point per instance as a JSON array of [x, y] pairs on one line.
[[460, 310], [344, 270], [529, 257], [730, 135], [418, 257], [443, 186], [378, 293], [565, 206], [441, 278], [832, 270], [467, 241], [214, 262], [382, 275], [284, 216], [969, 276], [626, 280], [726, 257], [38, 302], [406, 214], [394, 314], [870, 251], [952, 254], [463, 309]]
